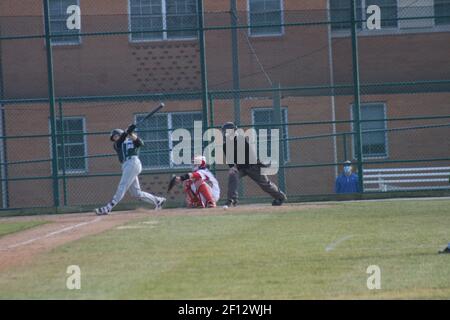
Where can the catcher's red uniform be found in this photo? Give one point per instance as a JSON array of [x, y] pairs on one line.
[[202, 190]]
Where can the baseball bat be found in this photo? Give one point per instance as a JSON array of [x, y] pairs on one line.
[[161, 105]]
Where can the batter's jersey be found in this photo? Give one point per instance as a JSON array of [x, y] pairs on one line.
[[209, 178], [127, 148]]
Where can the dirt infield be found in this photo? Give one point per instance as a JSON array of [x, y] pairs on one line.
[[21, 247]]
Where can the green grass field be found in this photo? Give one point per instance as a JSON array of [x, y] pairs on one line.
[[12, 227], [233, 255]]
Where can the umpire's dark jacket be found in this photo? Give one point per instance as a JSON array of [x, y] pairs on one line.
[[248, 150]]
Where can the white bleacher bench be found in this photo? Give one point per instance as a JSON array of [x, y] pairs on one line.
[[394, 179]]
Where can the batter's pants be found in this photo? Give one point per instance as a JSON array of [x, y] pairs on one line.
[[130, 182]]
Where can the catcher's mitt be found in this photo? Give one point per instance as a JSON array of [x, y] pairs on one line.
[[172, 183]]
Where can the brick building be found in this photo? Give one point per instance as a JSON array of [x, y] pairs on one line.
[[99, 79]]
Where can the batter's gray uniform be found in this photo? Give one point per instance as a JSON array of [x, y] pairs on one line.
[[128, 150], [131, 169]]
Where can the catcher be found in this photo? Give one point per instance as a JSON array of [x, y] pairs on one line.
[[200, 186], [127, 145]]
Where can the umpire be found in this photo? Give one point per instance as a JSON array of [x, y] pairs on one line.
[[239, 170]]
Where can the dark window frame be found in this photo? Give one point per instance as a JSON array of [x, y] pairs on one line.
[[265, 34], [384, 155], [285, 112], [169, 143]]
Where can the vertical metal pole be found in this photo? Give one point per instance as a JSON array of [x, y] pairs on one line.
[[278, 119], [344, 138], [357, 97], [4, 160], [61, 121], [332, 84], [211, 122], [211, 110], [201, 40], [51, 98], [236, 78], [235, 62], [4, 154]]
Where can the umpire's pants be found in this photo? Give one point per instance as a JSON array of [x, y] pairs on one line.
[[254, 172]]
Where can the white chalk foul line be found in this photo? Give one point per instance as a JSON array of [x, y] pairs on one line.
[[54, 233], [334, 244], [134, 227]]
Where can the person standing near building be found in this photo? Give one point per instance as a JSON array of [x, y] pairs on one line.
[[347, 181]]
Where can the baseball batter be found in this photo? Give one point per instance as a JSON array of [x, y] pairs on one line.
[[127, 145]]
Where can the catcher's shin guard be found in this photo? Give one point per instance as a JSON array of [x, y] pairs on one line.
[[204, 191], [192, 201]]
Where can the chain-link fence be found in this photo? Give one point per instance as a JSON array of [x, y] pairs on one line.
[[366, 81]]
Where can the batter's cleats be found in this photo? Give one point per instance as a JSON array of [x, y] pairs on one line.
[[159, 203], [103, 210]]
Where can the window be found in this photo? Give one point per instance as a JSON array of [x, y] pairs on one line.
[[413, 9], [389, 12], [186, 121], [71, 148], [156, 131], [442, 12], [155, 153], [181, 14], [374, 144], [264, 117], [58, 22], [265, 12], [158, 15], [340, 13]]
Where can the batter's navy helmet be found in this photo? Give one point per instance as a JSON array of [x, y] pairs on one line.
[[114, 132]]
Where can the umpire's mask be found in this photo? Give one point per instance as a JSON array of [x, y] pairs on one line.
[[228, 129]]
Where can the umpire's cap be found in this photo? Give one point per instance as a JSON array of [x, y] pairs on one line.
[[114, 132], [228, 125]]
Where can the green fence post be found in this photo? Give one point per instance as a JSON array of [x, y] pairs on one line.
[[278, 119], [61, 121], [357, 97], [344, 138], [211, 110], [4, 167], [201, 40], [236, 79], [51, 98], [235, 63], [211, 123]]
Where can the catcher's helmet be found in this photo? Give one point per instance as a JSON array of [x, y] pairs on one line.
[[114, 132], [199, 162]]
